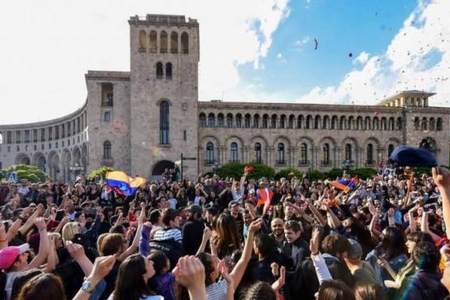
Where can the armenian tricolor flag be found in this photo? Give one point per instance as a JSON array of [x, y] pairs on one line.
[[124, 184], [346, 185]]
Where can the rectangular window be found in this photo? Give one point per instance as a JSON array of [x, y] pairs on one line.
[[35, 135], [107, 117], [18, 137], [185, 135], [27, 136]]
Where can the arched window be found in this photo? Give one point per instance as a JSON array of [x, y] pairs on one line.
[[391, 124], [390, 149], [359, 123], [202, 120], [273, 123], [107, 117], [282, 121], [220, 120], [142, 41], [424, 123], [169, 70], [399, 123], [238, 121], [163, 42], [383, 124], [184, 43], [229, 120], [303, 154], [348, 151], [256, 121], [153, 42], [369, 154], [432, 125], [326, 122], [234, 155], [107, 150], [326, 154], [265, 121], [291, 121], [317, 122], [258, 155], [159, 70], [416, 123], [439, 124], [174, 42], [210, 153], [300, 121], [164, 122], [376, 124], [350, 123], [309, 122], [211, 120], [334, 122], [280, 152], [367, 123], [247, 121], [343, 123]]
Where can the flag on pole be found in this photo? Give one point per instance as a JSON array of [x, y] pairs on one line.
[[124, 184]]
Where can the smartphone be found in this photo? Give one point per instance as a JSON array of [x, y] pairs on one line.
[[60, 215]]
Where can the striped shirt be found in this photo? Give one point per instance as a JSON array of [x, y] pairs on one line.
[[217, 291], [167, 234]]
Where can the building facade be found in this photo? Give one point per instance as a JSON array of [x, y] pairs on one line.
[[149, 118]]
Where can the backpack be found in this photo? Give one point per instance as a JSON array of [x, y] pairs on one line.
[[173, 250]]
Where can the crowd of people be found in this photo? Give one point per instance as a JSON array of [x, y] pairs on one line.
[[220, 238]]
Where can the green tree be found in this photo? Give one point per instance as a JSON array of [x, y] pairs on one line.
[[29, 172], [99, 173], [236, 170], [285, 173]]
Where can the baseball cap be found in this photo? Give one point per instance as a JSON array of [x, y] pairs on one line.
[[233, 203], [412, 157], [9, 254], [195, 209], [355, 249]]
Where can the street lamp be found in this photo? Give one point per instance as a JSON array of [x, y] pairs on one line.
[[216, 167], [347, 164], [75, 169]]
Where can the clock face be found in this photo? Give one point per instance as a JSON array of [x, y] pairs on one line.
[[85, 286]]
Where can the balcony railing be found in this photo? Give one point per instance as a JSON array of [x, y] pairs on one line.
[[280, 162], [209, 162]]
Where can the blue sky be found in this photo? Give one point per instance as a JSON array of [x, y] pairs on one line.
[[340, 27], [253, 50]]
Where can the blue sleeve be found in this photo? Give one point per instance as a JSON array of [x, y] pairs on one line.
[[98, 290], [144, 240]]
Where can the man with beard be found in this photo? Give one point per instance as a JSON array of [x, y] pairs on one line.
[[193, 230], [277, 227]]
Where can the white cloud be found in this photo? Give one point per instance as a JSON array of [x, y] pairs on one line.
[[362, 58], [51, 45], [301, 42], [417, 58], [280, 55]]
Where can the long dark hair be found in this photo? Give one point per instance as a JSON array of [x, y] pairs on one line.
[[393, 243], [227, 237], [130, 284]]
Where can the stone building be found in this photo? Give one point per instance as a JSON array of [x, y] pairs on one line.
[[147, 119]]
